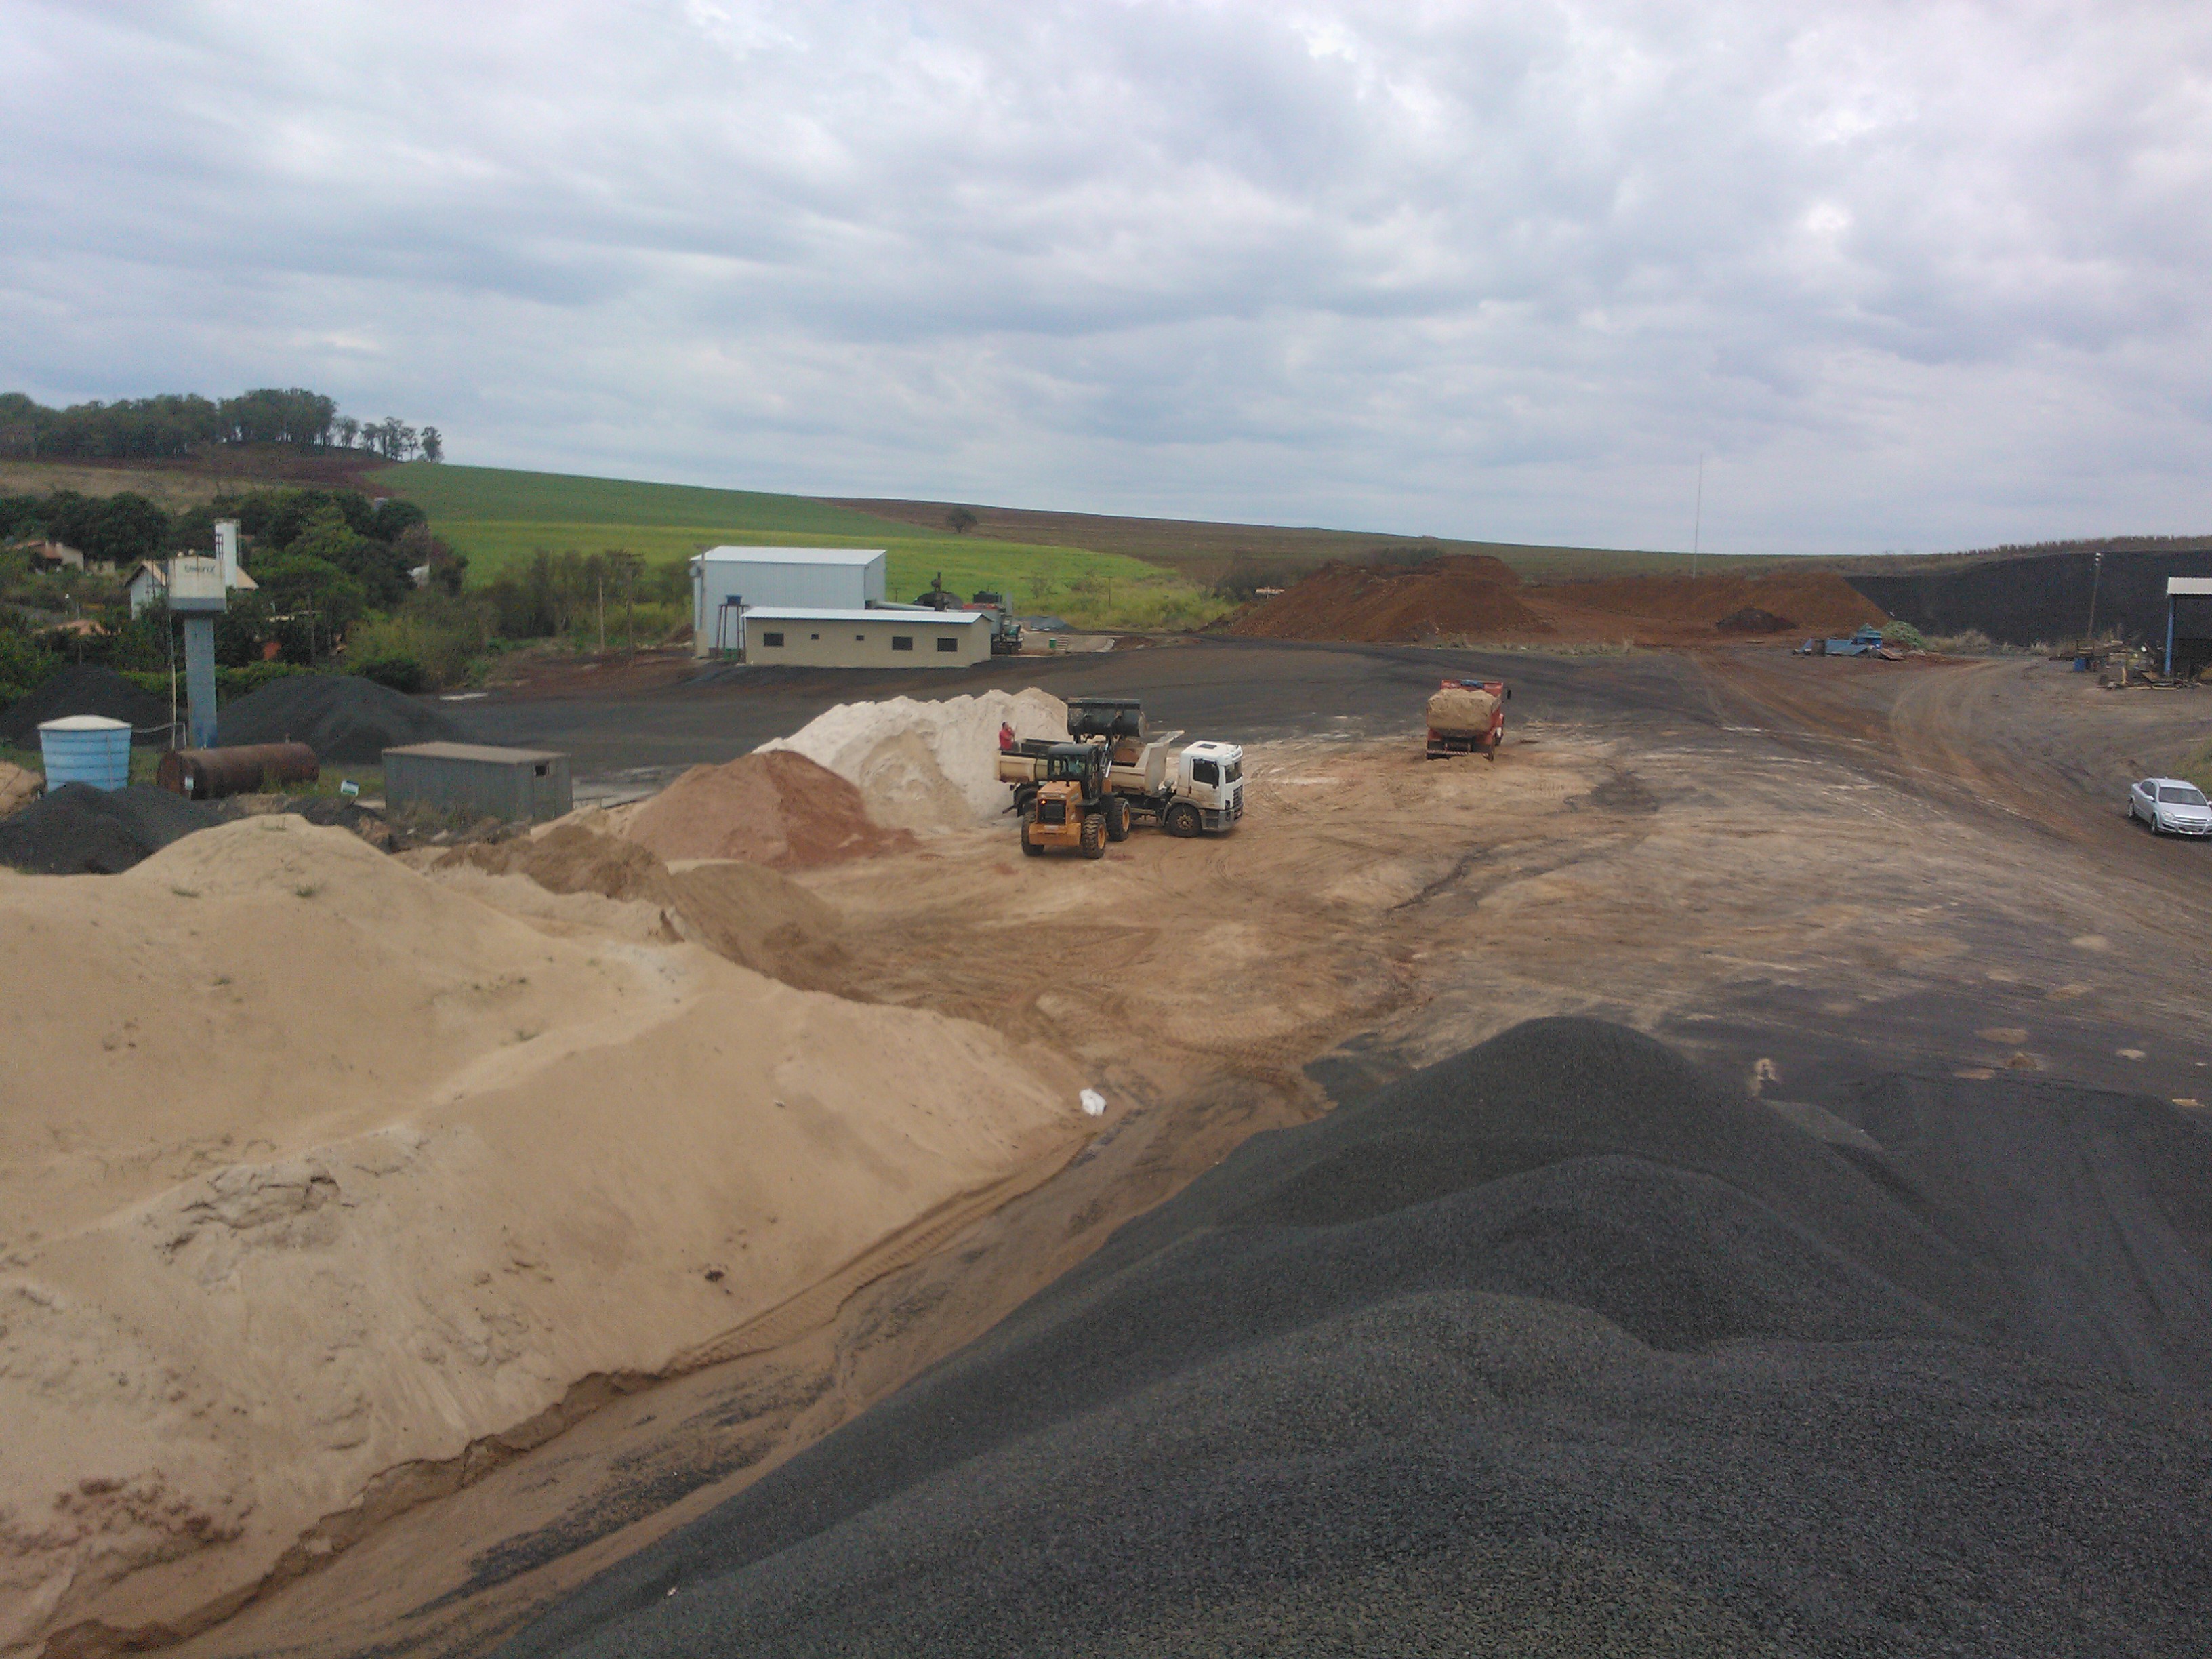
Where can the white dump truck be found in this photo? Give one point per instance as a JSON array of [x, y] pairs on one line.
[[1198, 788]]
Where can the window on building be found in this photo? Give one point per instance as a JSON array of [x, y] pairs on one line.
[[771, 639], [946, 642], [813, 637], [902, 642], [859, 639]]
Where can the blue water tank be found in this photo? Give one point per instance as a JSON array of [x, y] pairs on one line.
[[86, 749]]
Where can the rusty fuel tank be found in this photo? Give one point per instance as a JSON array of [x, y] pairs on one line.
[[211, 774]]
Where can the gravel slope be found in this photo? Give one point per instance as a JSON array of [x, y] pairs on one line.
[[1552, 1348]]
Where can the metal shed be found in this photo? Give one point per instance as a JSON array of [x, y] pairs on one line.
[[471, 777], [2178, 588], [723, 580]]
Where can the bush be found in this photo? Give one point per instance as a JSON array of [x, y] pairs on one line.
[[1905, 635], [402, 673]]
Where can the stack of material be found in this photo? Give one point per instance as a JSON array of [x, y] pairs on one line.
[[1455, 594], [1462, 711], [84, 690], [18, 787], [1554, 1348], [741, 911], [929, 767], [778, 808], [342, 717], [80, 830], [456, 1173]]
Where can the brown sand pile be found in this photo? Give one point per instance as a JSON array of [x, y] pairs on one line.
[[744, 912], [1457, 594], [1815, 601], [18, 787], [777, 808], [315, 1174]]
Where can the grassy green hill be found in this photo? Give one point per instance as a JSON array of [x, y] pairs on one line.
[[500, 519]]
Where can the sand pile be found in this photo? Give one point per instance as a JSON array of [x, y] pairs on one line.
[[926, 766], [741, 911], [342, 717], [1552, 1349], [80, 830], [1457, 594], [84, 690], [314, 1173], [19, 786], [777, 808]]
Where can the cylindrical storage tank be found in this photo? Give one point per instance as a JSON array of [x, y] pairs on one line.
[[212, 773], [86, 749]]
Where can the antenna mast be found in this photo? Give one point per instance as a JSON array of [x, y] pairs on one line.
[[1697, 526]]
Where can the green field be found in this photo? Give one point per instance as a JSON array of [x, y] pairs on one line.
[[451, 494], [500, 519]]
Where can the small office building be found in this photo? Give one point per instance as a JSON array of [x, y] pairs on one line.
[[800, 636], [727, 582]]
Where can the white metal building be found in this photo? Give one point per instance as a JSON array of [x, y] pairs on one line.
[[802, 636], [726, 581]]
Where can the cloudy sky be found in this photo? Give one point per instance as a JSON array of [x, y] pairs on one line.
[[1915, 274]]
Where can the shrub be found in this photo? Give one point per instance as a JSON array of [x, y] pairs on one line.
[[401, 673], [1904, 635]]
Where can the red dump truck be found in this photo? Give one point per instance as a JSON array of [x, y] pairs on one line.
[[1468, 717]]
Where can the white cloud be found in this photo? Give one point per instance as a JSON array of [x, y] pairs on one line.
[[1910, 274]]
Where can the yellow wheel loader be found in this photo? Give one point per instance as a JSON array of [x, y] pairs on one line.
[[1070, 806]]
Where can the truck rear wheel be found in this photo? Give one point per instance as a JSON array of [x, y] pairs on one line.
[[1183, 820], [1117, 818], [1029, 846], [1094, 835]]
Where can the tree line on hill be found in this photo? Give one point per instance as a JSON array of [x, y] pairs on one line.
[[176, 424], [334, 586]]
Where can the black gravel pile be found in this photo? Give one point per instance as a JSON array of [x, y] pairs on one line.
[[2046, 597], [79, 830], [342, 717], [1554, 1348], [81, 690]]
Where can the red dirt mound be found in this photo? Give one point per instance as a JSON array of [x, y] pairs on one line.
[[1457, 594], [778, 809], [1819, 601]]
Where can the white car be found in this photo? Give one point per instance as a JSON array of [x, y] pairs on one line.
[[2173, 805]]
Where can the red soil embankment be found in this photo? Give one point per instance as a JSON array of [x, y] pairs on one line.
[[1677, 609], [1479, 599], [1456, 594]]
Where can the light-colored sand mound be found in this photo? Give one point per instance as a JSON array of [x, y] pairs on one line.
[[18, 787], [779, 809], [316, 1174], [575, 873], [926, 766]]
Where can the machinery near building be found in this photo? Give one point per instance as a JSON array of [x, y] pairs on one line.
[[1199, 789], [1466, 717]]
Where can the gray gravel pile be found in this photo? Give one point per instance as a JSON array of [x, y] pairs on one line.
[[342, 717], [79, 830], [1552, 1349], [83, 689]]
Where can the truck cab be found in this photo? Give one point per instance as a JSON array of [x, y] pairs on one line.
[[1208, 793]]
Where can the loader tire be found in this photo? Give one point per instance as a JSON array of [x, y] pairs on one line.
[[1094, 835], [1029, 846], [1117, 818], [1183, 820]]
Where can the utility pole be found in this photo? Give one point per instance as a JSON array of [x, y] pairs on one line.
[[2096, 579], [603, 617], [1697, 524]]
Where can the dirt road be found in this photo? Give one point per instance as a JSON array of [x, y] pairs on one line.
[[1814, 876]]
